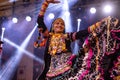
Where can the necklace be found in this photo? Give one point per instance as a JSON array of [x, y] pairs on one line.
[[57, 44]]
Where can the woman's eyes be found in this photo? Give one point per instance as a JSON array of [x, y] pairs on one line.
[[60, 23], [57, 23]]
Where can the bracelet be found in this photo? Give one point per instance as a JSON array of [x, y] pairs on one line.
[[42, 9], [44, 6], [45, 3], [41, 13]]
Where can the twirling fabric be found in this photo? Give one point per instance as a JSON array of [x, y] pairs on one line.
[[99, 58], [104, 48]]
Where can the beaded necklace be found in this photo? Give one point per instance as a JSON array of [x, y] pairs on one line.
[[57, 44]]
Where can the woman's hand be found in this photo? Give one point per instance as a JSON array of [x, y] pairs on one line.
[[52, 1]]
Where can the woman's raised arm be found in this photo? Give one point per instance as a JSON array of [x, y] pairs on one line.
[[40, 20], [41, 25]]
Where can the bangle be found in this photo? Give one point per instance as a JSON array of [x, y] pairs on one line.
[[45, 4], [42, 10], [41, 13]]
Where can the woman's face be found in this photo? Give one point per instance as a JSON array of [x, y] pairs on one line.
[[58, 26]]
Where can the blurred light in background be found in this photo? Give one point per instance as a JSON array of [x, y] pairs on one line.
[[28, 18], [107, 9], [93, 10], [67, 13], [15, 20], [51, 15]]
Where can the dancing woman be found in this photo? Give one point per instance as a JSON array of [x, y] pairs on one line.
[[58, 56]]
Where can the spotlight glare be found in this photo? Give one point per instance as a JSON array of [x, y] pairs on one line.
[[3, 28], [67, 13], [15, 20], [93, 10], [28, 18], [65, 7], [51, 16], [79, 20], [107, 8], [2, 34]]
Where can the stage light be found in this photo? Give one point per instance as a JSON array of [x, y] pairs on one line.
[[51, 16], [79, 20], [76, 46], [15, 20], [67, 13], [92, 10], [28, 18], [3, 29], [2, 35], [107, 9]]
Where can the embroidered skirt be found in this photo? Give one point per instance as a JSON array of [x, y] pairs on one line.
[[60, 63]]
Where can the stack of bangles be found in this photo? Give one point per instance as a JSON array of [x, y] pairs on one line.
[[43, 9]]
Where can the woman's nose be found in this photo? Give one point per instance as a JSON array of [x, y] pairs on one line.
[[60, 24]]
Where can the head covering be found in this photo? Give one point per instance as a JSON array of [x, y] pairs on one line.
[[60, 19]]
